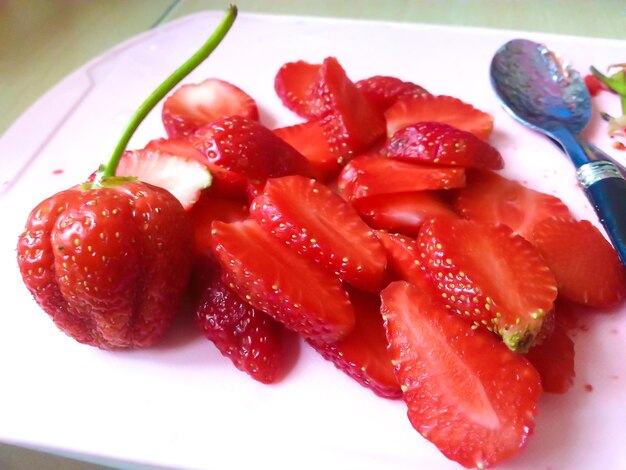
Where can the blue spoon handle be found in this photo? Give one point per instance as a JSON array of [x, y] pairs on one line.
[[604, 185]]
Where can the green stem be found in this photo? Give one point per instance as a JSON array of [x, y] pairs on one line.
[[164, 88]]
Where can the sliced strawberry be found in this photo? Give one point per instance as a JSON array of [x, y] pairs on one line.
[[466, 392], [320, 225], [404, 261], [594, 84], [383, 91], [490, 275], [209, 208], [553, 358], [226, 183], [586, 266], [363, 353], [196, 105], [185, 177], [275, 279], [309, 139], [442, 144], [489, 197], [293, 83], [352, 125], [402, 212], [251, 339], [442, 108], [248, 148], [372, 175]]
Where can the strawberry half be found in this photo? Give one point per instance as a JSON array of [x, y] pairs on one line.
[[441, 108], [466, 392], [273, 278], [309, 139], [224, 182], [196, 105], [352, 125], [251, 339], [585, 265], [441, 144], [362, 354], [293, 83], [319, 225], [491, 276], [183, 176], [248, 148], [372, 175], [383, 91], [402, 212], [492, 198]]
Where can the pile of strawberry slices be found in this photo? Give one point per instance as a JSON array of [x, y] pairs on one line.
[[378, 229]]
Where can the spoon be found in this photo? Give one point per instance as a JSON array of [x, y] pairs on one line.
[[547, 95]]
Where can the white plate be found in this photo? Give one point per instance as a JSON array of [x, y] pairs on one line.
[[181, 404]]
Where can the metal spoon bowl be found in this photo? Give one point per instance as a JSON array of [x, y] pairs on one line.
[[542, 91]]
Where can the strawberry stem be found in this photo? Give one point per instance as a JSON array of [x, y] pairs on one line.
[[164, 88]]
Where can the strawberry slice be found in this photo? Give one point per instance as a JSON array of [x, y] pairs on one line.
[[585, 265], [491, 276], [226, 183], [320, 225], [183, 176], [402, 212], [371, 175], [383, 91], [403, 260], [309, 139], [351, 123], [466, 392], [275, 279], [492, 198], [252, 340], [441, 108], [553, 358], [248, 148], [293, 84], [195, 105], [363, 353], [212, 207], [442, 144]]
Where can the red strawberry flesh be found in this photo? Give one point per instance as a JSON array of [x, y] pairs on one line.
[[586, 267], [445, 109], [441, 144], [490, 276], [275, 279], [192, 106], [466, 392], [321, 226], [492, 198], [372, 175]]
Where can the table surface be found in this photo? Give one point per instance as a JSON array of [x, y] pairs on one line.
[[43, 41]]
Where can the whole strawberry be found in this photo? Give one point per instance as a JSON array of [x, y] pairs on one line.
[[109, 260], [109, 265]]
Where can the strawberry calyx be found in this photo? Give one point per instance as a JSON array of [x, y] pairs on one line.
[[101, 181], [108, 170]]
